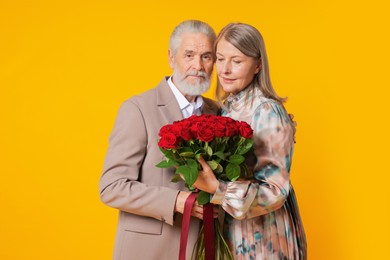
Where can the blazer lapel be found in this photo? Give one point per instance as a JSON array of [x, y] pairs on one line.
[[167, 103]]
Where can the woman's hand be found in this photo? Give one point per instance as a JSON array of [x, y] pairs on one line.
[[206, 180]]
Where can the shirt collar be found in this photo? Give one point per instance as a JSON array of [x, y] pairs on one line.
[[183, 102], [245, 96]]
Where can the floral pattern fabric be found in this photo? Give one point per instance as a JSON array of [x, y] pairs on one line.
[[262, 218]]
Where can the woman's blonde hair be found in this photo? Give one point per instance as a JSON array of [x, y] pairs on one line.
[[249, 41]]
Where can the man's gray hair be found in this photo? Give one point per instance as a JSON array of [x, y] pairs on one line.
[[189, 26]]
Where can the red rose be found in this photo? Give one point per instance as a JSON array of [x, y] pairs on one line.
[[205, 117], [225, 120], [231, 129], [186, 123], [191, 118], [205, 132], [245, 130], [194, 130], [222, 119], [167, 141], [219, 129], [186, 134], [164, 130], [176, 129]]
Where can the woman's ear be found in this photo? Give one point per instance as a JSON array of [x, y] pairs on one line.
[[258, 66]]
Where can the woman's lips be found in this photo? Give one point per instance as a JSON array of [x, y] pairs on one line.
[[226, 80]]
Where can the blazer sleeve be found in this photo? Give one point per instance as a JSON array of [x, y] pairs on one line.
[[273, 147], [120, 186]]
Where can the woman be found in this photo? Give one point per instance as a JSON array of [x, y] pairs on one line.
[[263, 220]]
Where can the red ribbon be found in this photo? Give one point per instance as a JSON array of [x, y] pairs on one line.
[[185, 225], [208, 222]]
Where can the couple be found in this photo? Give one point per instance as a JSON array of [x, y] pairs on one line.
[[261, 215]]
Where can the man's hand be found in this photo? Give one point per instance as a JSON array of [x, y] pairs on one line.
[[196, 211]]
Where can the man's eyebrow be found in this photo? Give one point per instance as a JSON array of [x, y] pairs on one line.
[[202, 54], [207, 53]]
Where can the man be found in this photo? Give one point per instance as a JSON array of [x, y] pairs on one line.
[[150, 205]]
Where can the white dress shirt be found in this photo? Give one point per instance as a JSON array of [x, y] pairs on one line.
[[187, 109]]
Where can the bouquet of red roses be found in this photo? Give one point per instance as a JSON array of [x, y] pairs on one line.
[[223, 143]]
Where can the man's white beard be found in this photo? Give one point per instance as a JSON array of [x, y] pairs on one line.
[[188, 88]]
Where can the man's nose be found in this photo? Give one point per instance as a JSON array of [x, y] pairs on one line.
[[198, 63]]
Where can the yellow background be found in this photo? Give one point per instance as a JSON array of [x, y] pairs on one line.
[[66, 66]]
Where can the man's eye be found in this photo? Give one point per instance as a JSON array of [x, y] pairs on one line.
[[237, 61]]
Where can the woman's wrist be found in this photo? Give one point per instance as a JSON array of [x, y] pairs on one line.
[[215, 186]]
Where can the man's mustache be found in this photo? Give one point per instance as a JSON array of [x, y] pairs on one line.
[[197, 73]]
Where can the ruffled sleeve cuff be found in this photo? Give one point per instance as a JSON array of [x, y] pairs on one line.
[[219, 194]]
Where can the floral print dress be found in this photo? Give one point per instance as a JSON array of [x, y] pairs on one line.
[[261, 219]]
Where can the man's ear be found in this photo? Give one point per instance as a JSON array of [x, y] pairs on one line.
[[171, 58]]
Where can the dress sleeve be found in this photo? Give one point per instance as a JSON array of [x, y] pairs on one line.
[[269, 188]]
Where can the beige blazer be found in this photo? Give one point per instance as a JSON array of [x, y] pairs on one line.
[[144, 194]]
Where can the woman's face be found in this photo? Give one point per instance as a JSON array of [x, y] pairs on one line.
[[235, 70]]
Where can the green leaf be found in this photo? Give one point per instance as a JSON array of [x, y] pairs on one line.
[[203, 198], [189, 171], [193, 165], [220, 155], [195, 146], [176, 178], [191, 188], [168, 153], [197, 156], [219, 169], [209, 151], [189, 175], [236, 159], [187, 154], [245, 147], [213, 164], [185, 149], [166, 164], [222, 147], [163, 150], [232, 171]]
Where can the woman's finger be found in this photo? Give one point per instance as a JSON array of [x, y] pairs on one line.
[[202, 161], [204, 164]]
